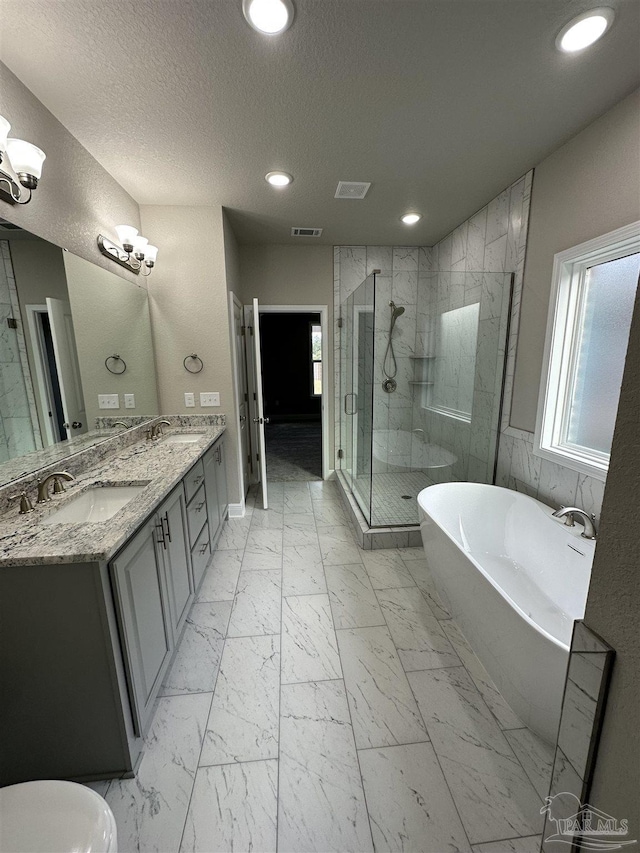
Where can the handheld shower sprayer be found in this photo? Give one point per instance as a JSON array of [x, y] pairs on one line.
[[390, 383]]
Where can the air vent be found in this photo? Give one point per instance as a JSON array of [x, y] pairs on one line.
[[352, 189], [306, 232]]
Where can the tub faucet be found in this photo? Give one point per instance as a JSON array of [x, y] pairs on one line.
[[570, 513]]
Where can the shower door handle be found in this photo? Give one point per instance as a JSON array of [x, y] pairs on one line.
[[346, 403]]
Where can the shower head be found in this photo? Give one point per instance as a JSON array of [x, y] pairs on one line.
[[396, 311]]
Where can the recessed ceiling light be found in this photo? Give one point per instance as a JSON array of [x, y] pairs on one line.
[[278, 179], [268, 16], [584, 30], [411, 218]]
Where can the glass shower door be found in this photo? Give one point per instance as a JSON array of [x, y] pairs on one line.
[[357, 397]]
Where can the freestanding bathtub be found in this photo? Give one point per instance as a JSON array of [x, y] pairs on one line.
[[514, 579]]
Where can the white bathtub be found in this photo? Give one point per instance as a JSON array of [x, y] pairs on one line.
[[514, 579], [408, 450]]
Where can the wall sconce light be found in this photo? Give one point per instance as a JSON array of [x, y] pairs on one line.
[[20, 163], [135, 252]]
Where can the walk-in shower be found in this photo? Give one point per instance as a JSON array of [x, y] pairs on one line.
[[421, 378]]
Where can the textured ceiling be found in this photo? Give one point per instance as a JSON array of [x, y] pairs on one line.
[[439, 103]]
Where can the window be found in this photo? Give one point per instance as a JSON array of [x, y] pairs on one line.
[[450, 391], [316, 360], [593, 294]]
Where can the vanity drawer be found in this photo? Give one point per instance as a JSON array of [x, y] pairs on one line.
[[200, 554], [193, 480], [196, 514]]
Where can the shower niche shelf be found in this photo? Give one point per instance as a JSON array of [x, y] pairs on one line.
[[419, 382]]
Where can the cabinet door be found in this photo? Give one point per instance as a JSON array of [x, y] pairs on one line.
[[221, 479], [211, 488], [144, 619], [176, 555]]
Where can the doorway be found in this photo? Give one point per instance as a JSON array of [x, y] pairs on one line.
[[291, 348]]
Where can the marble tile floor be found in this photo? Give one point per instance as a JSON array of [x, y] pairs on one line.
[[323, 700]]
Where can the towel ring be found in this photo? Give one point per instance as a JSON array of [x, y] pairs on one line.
[[115, 358], [193, 358]]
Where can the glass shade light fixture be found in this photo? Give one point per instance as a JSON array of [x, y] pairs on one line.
[[20, 166], [278, 179], [135, 252], [411, 218], [270, 17], [584, 30]]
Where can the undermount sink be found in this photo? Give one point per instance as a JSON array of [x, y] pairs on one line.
[[183, 438], [95, 504]]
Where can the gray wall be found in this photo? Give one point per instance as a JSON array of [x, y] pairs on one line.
[[293, 275], [76, 199], [584, 189], [614, 604]]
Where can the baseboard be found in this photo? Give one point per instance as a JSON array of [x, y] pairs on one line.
[[237, 510]]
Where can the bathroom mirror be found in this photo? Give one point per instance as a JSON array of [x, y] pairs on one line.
[[61, 319]]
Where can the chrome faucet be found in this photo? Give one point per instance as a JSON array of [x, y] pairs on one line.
[[156, 430], [58, 488], [571, 512]]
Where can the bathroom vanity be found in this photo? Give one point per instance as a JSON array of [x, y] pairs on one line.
[[91, 613]]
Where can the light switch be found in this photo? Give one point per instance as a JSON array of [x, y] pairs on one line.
[[129, 401], [210, 399], [108, 401], [189, 400]]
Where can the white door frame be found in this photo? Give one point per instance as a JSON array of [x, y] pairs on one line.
[[323, 310], [43, 382], [236, 510]]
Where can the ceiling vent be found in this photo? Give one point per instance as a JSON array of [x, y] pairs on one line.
[[352, 189], [306, 232]]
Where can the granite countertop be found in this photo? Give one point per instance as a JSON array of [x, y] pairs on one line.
[[25, 541]]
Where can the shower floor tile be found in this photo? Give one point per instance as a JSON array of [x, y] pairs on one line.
[[393, 730], [393, 496]]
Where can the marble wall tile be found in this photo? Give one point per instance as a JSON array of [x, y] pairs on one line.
[[309, 649], [352, 269], [233, 807], [353, 601], [195, 666], [405, 258], [243, 720], [495, 798], [498, 217], [379, 258], [383, 710], [256, 607], [409, 803], [321, 802], [150, 809], [558, 485]]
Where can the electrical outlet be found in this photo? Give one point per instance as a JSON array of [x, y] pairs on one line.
[[210, 399], [189, 400], [108, 401], [129, 401]]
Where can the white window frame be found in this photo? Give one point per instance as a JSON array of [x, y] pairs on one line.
[[565, 310]]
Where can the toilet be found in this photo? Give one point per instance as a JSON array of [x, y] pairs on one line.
[[51, 816]]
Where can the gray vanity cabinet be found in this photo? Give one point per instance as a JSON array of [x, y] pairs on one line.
[[211, 488], [145, 620], [172, 536], [221, 479]]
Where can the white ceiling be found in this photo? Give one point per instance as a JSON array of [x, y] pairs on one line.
[[439, 103]]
